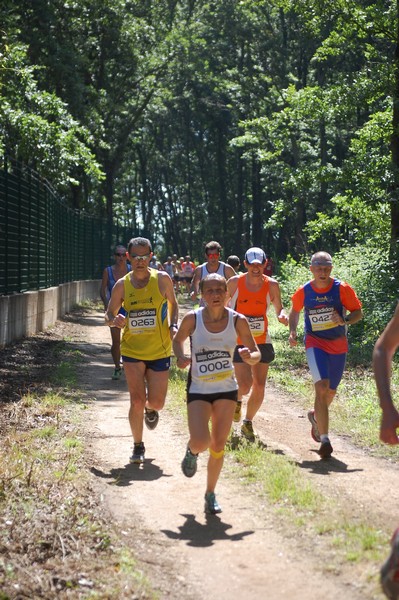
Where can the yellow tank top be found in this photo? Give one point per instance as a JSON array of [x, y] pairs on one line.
[[146, 334]]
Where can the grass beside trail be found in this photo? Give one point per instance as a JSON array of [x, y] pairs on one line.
[[54, 539], [355, 409]]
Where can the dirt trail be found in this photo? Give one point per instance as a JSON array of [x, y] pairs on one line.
[[244, 552]]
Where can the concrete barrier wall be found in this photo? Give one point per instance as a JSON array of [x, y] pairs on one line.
[[24, 314]]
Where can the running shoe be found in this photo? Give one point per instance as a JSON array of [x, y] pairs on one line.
[[389, 573], [151, 418], [237, 412], [211, 504], [189, 463], [325, 450], [314, 432], [117, 373], [138, 454], [248, 431]]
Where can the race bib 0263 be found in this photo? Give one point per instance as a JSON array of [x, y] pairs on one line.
[[142, 320]]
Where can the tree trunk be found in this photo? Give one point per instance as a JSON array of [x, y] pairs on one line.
[[395, 149], [257, 222]]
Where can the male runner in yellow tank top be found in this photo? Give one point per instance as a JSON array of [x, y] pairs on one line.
[[148, 328], [251, 294]]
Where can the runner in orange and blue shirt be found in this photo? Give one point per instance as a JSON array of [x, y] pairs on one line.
[[325, 301]]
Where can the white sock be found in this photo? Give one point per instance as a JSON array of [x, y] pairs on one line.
[[324, 438]]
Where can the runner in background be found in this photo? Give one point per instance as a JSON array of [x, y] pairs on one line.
[[110, 277], [213, 264], [155, 264], [170, 267], [188, 268], [181, 274], [235, 263], [251, 295], [268, 270], [176, 277]]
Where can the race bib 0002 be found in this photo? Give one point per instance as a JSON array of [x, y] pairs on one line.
[[213, 365]]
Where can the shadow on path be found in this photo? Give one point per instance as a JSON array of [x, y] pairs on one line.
[[324, 467], [129, 473], [204, 534]]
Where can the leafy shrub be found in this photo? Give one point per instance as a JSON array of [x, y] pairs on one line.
[[292, 275]]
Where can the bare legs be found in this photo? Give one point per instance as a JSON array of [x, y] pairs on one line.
[[116, 346], [220, 413], [147, 388], [251, 379], [323, 398]]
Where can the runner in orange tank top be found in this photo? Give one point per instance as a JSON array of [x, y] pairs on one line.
[[251, 295]]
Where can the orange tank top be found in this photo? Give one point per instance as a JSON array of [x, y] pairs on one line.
[[254, 306]]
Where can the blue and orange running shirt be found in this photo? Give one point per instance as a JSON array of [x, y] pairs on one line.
[[319, 304]]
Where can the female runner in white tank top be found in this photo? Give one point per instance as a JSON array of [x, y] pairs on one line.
[[211, 386]]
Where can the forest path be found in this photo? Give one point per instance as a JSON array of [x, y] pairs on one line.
[[245, 552]]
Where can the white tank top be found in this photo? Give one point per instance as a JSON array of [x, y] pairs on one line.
[[212, 357], [205, 272]]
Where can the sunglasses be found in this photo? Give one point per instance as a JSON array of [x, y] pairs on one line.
[[138, 257], [120, 253], [213, 255]]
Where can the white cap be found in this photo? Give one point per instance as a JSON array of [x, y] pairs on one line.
[[255, 255]]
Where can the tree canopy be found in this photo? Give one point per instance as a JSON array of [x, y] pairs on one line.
[[267, 122]]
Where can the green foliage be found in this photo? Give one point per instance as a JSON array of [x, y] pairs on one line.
[[369, 271], [248, 122], [353, 219], [292, 275], [36, 127]]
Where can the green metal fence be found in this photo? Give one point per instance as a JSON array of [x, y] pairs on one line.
[[43, 242]]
